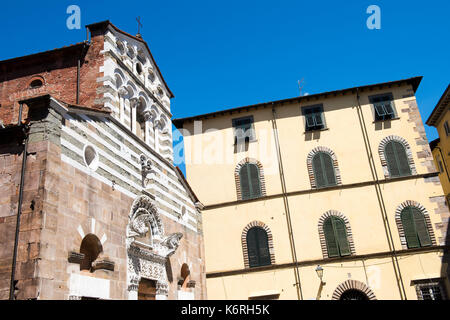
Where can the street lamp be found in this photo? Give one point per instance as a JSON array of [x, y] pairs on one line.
[[319, 271]]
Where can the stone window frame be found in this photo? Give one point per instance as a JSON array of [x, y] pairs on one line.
[[353, 285], [428, 283], [398, 221], [323, 242], [262, 225], [381, 151], [309, 162], [36, 78], [237, 176]]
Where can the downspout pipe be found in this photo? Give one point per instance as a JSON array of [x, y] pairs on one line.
[[286, 206], [19, 207], [381, 203]]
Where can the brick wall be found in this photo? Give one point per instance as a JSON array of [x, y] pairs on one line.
[[58, 69]]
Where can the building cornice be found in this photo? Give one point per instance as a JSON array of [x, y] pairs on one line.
[[312, 191], [441, 106], [324, 262], [414, 82]]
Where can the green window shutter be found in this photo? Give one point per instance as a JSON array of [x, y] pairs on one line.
[[252, 247], [389, 153], [245, 184], [397, 159], [250, 182], [332, 246], [402, 158], [255, 184], [258, 248], [421, 227], [318, 171], [409, 228], [341, 236], [327, 162], [324, 170]]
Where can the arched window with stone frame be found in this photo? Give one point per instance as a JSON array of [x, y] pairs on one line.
[[335, 233], [250, 182], [257, 245], [323, 168], [414, 226], [396, 157]]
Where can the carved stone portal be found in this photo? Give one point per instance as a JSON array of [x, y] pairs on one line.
[[148, 248]]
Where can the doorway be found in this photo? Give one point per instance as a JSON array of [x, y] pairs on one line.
[[147, 290]]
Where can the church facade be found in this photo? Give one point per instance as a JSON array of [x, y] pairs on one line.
[[92, 206]]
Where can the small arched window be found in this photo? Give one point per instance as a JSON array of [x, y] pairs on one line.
[[36, 83], [91, 247], [415, 228], [324, 173], [250, 181], [397, 159], [258, 248], [336, 237]]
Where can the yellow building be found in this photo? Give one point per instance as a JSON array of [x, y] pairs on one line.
[[327, 196], [440, 119]]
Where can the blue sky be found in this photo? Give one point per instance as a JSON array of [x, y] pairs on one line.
[[222, 54]]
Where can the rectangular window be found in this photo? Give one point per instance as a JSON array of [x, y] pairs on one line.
[[383, 107], [447, 128], [430, 290], [314, 118], [244, 130]]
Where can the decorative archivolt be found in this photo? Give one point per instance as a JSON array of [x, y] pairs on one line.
[[145, 106], [144, 219], [353, 285]]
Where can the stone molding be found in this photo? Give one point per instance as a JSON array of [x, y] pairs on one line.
[[381, 151], [398, 221], [353, 285], [323, 242], [257, 224], [309, 163], [237, 176]]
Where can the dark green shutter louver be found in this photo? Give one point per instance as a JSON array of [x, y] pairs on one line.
[[341, 235], [336, 237], [245, 185], [324, 170], [421, 228], [258, 248], [332, 245], [415, 228], [397, 159], [250, 182]]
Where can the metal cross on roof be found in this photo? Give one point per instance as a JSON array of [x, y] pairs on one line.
[[138, 19]]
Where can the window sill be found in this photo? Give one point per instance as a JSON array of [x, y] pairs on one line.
[[251, 141], [379, 121], [319, 130]]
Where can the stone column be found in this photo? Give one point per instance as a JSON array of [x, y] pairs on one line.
[[162, 290], [133, 287]]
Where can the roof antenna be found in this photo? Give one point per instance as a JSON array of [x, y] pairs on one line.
[[301, 84], [138, 19]]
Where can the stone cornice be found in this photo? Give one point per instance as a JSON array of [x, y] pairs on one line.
[[311, 191]]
